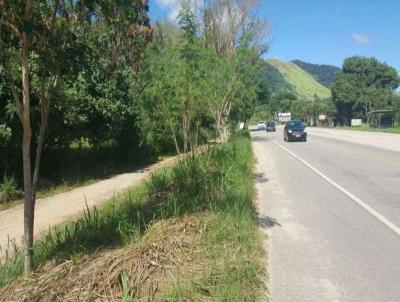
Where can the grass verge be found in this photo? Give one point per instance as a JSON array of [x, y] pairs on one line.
[[222, 258], [371, 129]]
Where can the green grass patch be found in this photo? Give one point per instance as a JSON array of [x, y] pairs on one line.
[[371, 129], [217, 184]]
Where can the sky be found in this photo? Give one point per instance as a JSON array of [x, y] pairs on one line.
[[320, 31]]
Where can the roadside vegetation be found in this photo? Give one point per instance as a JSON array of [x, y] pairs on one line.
[[358, 90], [371, 129], [90, 88], [193, 225]]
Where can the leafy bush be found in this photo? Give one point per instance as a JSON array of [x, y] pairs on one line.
[[8, 189]]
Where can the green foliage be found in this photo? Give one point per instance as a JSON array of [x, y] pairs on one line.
[[189, 88], [363, 85], [309, 110], [273, 80], [232, 249], [94, 49], [324, 74], [8, 189], [285, 87], [5, 134], [218, 181], [261, 113], [302, 83]]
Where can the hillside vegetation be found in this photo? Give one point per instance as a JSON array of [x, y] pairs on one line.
[[302, 83], [276, 82], [324, 74]]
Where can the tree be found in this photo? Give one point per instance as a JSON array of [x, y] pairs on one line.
[[234, 33], [190, 74], [363, 85], [174, 89], [196, 74], [160, 101], [37, 49], [309, 110]]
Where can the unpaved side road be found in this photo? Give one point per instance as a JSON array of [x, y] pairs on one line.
[[62, 207]]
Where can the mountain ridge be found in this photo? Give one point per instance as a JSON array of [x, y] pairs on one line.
[[289, 77], [322, 73]]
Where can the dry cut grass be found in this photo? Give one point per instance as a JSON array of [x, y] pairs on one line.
[[139, 272]]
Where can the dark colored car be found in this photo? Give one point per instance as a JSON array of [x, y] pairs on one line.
[[294, 131], [271, 127]]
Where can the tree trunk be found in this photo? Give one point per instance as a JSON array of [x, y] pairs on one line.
[[174, 136], [223, 131], [171, 125], [196, 141], [185, 126], [29, 202]]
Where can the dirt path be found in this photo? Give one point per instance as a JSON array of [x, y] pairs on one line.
[[62, 207]]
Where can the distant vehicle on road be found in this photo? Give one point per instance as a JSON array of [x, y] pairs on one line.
[[294, 131], [261, 125], [271, 127]]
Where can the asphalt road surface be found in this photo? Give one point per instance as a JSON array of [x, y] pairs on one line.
[[332, 212]]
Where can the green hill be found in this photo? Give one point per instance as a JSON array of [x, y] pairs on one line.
[[287, 76], [324, 74], [274, 80]]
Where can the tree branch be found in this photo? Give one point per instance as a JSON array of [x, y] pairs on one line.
[[17, 102], [12, 28]]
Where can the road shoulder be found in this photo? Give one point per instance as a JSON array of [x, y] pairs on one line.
[[387, 141]]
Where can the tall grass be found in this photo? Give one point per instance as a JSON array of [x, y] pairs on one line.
[[218, 181], [233, 255]]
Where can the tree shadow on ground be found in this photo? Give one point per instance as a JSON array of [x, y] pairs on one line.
[[259, 138], [267, 222], [260, 177]]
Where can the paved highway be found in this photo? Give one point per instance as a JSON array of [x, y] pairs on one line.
[[332, 212]]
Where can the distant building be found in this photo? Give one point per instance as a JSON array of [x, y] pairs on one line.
[[283, 117]]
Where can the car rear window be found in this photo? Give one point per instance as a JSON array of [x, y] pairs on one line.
[[296, 124]]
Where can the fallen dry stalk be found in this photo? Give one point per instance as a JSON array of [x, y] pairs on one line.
[[167, 247]]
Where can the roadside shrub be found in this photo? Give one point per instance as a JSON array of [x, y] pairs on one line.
[[8, 189]]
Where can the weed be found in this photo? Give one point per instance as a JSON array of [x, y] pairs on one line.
[[218, 183], [8, 189]]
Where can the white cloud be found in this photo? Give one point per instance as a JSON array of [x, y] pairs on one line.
[[361, 38], [174, 6]]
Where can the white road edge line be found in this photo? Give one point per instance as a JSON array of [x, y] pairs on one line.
[[357, 200]]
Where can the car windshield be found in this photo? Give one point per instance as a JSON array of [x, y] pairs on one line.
[[271, 124], [295, 124]]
